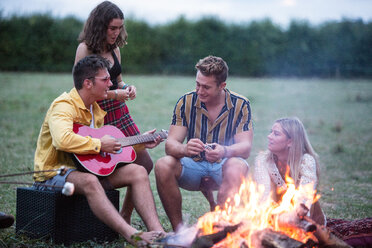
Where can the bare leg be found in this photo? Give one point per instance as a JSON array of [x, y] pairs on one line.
[[167, 170], [144, 159], [232, 172], [88, 185], [135, 177], [208, 194], [132, 175], [207, 185]]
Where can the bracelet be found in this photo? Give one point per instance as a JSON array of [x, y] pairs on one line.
[[124, 86], [224, 152], [116, 94]]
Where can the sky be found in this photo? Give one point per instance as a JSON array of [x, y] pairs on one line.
[[235, 11]]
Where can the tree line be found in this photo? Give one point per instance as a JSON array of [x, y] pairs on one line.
[[40, 42]]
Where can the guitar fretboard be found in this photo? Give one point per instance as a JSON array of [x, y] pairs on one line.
[[139, 139]]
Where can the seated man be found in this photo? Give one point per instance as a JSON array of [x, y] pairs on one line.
[[57, 140], [211, 116]]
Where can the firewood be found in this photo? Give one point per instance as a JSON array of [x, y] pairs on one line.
[[326, 238], [244, 245], [311, 243], [293, 220], [296, 219], [302, 210], [272, 239], [206, 241]]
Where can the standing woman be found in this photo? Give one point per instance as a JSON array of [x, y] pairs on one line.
[[104, 32], [288, 146]]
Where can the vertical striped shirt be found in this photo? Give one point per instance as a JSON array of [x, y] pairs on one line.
[[235, 117]]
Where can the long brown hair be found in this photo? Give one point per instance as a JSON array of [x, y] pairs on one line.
[[295, 130], [94, 33]]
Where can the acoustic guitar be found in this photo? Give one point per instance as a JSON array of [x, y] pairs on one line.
[[104, 163]]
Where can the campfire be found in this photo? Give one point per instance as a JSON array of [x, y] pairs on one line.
[[247, 221], [259, 221]]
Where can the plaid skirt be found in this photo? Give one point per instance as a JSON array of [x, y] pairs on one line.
[[118, 116]]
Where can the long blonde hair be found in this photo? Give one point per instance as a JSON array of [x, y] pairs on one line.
[[295, 130]]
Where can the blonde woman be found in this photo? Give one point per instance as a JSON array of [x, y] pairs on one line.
[[288, 147]]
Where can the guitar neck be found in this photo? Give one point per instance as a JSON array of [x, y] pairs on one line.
[[139, 139]]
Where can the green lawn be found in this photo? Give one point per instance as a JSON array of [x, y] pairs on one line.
[[336, 113]]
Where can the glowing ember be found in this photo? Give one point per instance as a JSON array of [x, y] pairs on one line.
[[253, 214]]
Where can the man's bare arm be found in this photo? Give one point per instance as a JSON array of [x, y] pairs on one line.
[[174, 145], [242, 146]]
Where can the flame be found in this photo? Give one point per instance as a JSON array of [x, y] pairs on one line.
[[254, 214]]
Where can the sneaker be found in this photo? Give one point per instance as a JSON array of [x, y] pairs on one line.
[[6, 220]]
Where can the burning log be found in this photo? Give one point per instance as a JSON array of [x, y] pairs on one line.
[[206, 241], [326, 238], [290, 219], [272, 239], [302, 210]]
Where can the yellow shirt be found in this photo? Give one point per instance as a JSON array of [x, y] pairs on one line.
[[57, 140]]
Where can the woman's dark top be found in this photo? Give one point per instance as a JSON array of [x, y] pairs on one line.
[[115, 71], [118, 112]]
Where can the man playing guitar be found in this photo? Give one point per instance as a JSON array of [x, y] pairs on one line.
[[57, 141]]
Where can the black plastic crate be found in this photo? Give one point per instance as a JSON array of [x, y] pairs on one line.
[[65, 219]]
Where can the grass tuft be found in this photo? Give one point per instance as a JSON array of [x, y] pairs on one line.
[[339, 148], [337, 127]]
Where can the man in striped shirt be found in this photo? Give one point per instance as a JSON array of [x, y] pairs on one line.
[[218, 126]]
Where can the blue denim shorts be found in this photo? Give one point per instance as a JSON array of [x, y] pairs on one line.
[[193, 171], [57, 180]]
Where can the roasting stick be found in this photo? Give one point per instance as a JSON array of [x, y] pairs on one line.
[[67, 189], [62, 170]]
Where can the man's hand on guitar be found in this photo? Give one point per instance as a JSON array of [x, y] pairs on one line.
[[110, 144], [115, 147], [155, 142]]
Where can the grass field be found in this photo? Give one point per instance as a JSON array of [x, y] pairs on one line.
[[336, 113]]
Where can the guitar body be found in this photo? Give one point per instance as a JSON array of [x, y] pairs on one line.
[[103, 164]]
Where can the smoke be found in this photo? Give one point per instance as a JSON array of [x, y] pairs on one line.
[[183, 237]]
